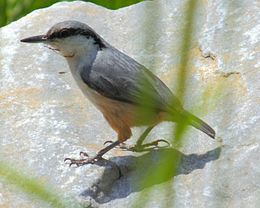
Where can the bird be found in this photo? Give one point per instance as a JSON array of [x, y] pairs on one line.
[[116, 84]]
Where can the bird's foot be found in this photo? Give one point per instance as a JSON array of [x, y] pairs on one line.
[[148, 146], [143, 147], [85, 159]]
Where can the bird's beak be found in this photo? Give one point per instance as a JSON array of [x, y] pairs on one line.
[[35, 39]]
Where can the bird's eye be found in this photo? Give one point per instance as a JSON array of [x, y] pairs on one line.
[[64, 33]]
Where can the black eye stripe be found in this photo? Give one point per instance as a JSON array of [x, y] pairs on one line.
[[66, 32]]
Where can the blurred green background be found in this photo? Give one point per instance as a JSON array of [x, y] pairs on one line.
[[11, 10]]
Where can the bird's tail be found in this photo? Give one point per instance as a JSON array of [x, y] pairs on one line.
[[199, 124]]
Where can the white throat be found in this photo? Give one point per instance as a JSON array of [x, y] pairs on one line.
[[79, 51], [84, 53]]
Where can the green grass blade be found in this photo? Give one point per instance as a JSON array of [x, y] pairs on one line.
[[29, 185], [16, 9], [115, 4]]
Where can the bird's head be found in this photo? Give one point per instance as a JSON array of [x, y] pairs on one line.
[[70, 39]]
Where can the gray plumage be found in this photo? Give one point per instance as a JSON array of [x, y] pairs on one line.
[[126, 80], [113, 74], [123, 81]]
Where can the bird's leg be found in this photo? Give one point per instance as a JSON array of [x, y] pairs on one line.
[[141, 139], [139, 142], [148, 146], [139, 146], [91, 160]]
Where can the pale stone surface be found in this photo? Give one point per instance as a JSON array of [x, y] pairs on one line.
[[45, 118]]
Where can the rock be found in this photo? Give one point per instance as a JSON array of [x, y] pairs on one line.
[[45, 118]]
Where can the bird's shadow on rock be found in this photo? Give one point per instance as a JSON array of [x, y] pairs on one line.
[[114, 184]]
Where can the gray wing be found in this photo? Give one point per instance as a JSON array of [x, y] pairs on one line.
[[117, 76]]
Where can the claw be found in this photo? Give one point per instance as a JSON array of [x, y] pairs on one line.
[[156, 143], [108, 142], [146, 147], [75, 161], [122, 145], [83, 154], [162, 140], [81, 162], [71, 161], [85, 159]]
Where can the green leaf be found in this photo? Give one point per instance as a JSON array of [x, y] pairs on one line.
[[15, 9], [115, 4], [30, 185]]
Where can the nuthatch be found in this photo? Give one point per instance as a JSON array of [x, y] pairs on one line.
[[115, 83]]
